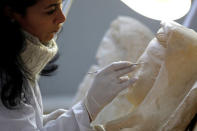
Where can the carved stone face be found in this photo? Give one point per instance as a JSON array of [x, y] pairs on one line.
[[126, 39]]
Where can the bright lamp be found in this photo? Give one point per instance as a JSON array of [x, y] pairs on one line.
[[160, 9]]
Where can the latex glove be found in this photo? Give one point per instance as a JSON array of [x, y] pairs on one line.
[[53, 115], [107, 83]]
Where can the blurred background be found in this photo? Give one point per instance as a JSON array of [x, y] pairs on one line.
[[85, 26]]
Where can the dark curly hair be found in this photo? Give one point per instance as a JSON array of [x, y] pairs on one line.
[[13, 74]]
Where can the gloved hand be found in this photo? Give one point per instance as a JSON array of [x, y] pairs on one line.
[[107, 83], [53, 115]]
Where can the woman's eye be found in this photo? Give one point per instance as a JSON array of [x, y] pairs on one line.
[[50, 12]]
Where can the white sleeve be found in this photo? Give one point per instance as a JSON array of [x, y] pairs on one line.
[[75, 119]]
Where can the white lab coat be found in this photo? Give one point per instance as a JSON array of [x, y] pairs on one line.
[[30, 117]]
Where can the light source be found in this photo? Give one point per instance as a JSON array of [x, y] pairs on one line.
[[160, 9], [66, 6]]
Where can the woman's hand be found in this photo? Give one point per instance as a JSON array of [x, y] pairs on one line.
[[53, 115], [107, 83]]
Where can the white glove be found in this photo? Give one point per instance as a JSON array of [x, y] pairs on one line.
[[53, 115], [107, 83]]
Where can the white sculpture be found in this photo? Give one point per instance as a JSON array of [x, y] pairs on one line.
[[164, 97], [170, 104], [126, 39]]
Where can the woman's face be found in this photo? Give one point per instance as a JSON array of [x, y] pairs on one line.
[[43, 19]]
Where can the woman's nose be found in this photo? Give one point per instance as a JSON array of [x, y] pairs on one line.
[[60, 18]]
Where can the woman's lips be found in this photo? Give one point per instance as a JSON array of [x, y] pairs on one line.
[[57, 30]]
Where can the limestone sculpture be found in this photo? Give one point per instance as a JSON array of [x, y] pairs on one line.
[[126, 39], [164, 97], [170, 104]]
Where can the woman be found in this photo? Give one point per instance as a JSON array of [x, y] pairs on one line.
[[27, 49]]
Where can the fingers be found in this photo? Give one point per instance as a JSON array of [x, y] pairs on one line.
[[122, 67], [123, 79], [119, 65], [126, 70]]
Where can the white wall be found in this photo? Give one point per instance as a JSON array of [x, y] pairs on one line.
[[85, 26]]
